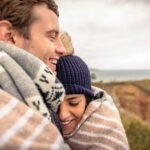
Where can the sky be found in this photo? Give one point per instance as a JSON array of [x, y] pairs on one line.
[[108, 34]]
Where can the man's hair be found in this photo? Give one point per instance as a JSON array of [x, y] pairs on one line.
[[19, 13]]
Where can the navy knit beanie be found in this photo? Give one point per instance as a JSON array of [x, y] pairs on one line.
[[74, 75]]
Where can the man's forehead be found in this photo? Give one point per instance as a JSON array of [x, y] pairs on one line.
[[42, 10], [43, 14]]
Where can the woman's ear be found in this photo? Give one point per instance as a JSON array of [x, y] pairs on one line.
[[6, 32]]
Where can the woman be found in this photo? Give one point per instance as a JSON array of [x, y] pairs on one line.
[[89, 118]]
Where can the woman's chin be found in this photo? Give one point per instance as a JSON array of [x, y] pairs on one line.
[[68, 129]]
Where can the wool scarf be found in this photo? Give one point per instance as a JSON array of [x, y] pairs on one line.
[[29, 79]]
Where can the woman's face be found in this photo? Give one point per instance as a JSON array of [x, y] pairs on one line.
[[71, 111]]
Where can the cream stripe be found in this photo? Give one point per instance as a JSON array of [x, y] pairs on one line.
[[104, 136], [2, 53], [15, 128], [60, 144], [108, 103], [106, 127], [57, 144], [1, 69], [35, 133], [96, 103], [107, 119], [8, 107], [91, 143]]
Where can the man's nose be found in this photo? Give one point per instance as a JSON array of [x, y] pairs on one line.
[[60, 49]]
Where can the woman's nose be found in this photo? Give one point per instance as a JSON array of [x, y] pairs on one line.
[[63, 112]]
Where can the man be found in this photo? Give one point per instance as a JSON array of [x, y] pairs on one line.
[[33, 28], [29, 28]]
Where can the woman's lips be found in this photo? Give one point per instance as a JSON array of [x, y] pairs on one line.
[[66, 122]]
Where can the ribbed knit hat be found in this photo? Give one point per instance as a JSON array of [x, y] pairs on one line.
[[74, 75]]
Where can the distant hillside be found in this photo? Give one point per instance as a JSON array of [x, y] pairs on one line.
[[133, 96], [133, 100]]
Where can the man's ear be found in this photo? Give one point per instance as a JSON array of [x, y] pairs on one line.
[[6, 32]]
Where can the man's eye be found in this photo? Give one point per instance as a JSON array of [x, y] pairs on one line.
[[53, 37]]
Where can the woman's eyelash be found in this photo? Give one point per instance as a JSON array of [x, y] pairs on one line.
[[73, 103]]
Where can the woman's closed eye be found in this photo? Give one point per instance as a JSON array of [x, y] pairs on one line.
[[73, 103]]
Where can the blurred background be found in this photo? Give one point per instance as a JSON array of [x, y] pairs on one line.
[[112, 33], [113, 37]]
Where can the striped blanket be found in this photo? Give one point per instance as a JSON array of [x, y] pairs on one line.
[[21, 128]]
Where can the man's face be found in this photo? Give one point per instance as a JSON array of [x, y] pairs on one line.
[[44, 37]]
